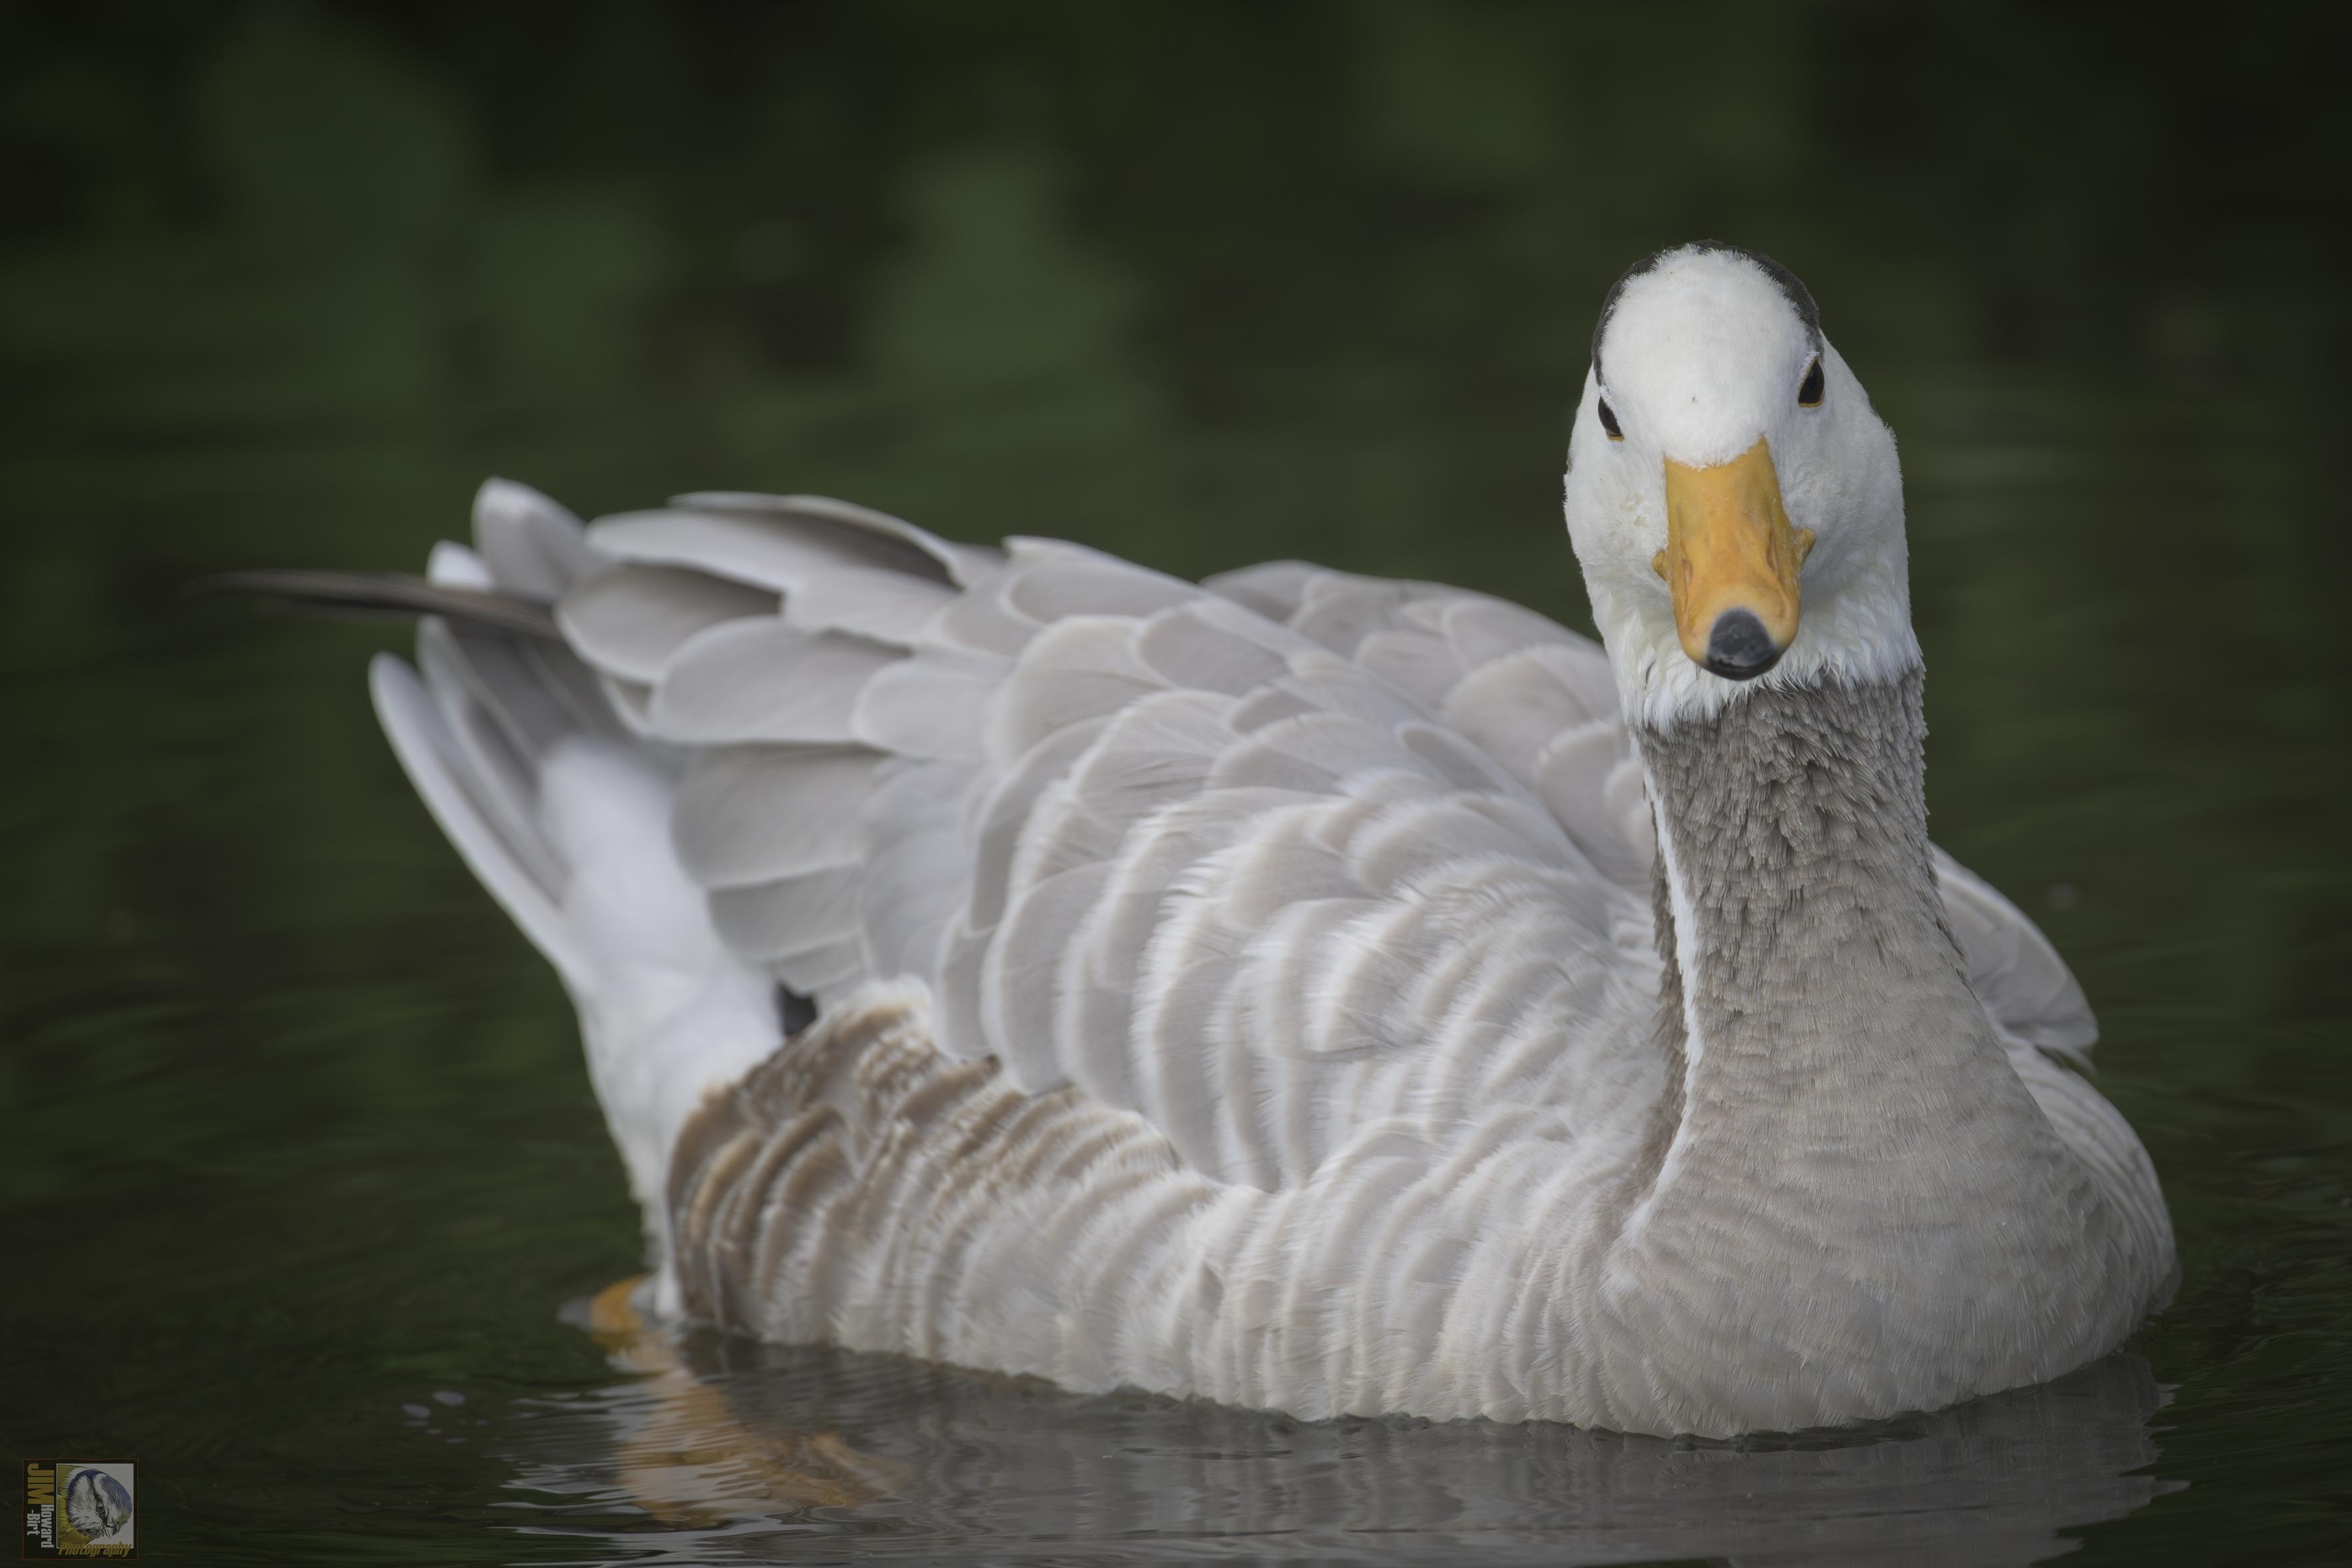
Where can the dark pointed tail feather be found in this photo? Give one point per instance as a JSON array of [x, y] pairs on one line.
[[391, 593]]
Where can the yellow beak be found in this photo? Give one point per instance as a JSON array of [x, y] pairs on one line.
[[1731, 561]]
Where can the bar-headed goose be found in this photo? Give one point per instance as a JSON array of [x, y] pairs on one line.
[[1300, 990]]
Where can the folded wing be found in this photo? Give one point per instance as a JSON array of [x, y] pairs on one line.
[[1138, 835], [1263, 860]]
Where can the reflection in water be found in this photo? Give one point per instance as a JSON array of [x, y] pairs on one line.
[[748, 1452], [683, 1456]]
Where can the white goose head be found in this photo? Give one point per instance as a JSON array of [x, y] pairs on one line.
[[1733, 498]]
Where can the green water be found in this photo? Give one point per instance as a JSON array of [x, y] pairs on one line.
[[301, 1164]]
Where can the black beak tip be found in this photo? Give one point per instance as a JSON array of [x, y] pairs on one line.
[[1739, 648]]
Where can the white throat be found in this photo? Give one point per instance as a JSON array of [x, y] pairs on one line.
[[1860, 635]]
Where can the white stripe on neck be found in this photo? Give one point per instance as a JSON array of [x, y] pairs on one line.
[[1684, 914]]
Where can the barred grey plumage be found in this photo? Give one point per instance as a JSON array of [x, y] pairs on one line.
[[1273, 988]]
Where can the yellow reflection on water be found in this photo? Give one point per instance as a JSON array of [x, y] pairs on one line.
[[689, 1460]]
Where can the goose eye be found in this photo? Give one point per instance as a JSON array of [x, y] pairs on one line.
[[1608, 421], [1808, 390]]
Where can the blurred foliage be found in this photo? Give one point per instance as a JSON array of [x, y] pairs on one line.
[[1200, 284]]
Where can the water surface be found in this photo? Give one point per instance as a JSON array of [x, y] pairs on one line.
[[303, 1168]]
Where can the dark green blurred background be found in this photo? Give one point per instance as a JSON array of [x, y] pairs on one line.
[[298, 1133]]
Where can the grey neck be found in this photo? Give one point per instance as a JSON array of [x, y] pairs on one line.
[[1849, 1201], [1812, 976]]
